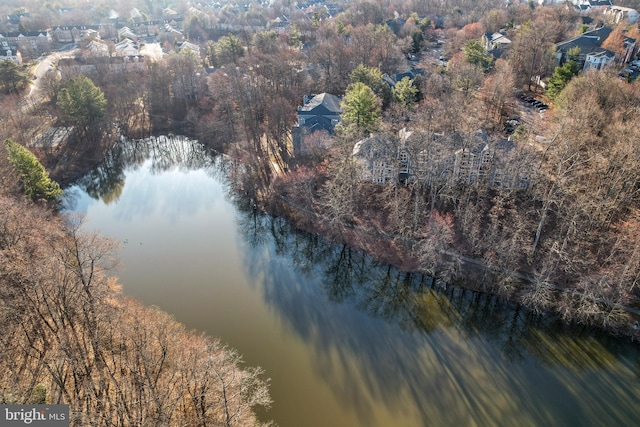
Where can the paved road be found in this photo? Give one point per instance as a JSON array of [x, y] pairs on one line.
[[47, 64]]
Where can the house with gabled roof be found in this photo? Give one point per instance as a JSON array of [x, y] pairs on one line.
[[135, 15], [169, 33], [92, 65], [188, 46], [592, 55], [589, 5], [126, 33], [280, 25], [169, 13], [31, 41], [374, 157], [473, 164], [319, 113], [75, 33], [11, 55], [127, 47], [411, 74], [97, 47], [495, 43]]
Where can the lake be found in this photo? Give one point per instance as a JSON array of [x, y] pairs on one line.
[[345, 341]]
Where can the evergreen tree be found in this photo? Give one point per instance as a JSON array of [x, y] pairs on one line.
[[372, 77], [228, 49], [35, 179], [82, 101], [361, 109], [11, 76], [405, 92], [475, 54], [295, 36], [564, 73]]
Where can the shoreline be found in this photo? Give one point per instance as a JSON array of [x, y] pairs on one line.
[[384, 248]]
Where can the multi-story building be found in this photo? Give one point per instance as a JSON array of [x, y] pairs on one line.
[[319, 113], [31, 43]]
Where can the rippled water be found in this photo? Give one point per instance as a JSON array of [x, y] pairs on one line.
[[345, 341]]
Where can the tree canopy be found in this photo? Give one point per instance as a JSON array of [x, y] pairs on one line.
[[82, 101], [361, 108], [227, 50], [405, 92], [475, 54], [35, 179], [564, 73], [11, 76], [372, 77]]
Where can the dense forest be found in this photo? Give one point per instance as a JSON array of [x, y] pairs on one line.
[[558, 231]]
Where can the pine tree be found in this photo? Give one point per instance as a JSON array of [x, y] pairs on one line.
[[361, 109], [35, 179], [82, 101]]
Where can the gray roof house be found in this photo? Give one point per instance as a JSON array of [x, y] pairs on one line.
[[592, 55], [319, 113], [495, 43]]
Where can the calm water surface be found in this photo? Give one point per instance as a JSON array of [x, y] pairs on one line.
[[345, 341]]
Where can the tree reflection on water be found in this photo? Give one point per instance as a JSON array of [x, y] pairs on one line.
[[435, 355], [394, 347]]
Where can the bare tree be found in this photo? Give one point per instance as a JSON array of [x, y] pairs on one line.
[[69, 336]]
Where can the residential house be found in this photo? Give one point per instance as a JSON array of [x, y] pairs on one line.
[[135, 15], [126, 33], [598, 59], [34, 42], [11, 55], [412, 74], [375, 157], [319, 113], [404, 159], [592, 55], [75, 33], [281, 25], [620, 13], [13, 21], [170, 34], [127, 47], [97, 47], [189, 47], [70, 67], [473, 164], [169, 13], [589, 5], [496, 43], [381, 160], [148, 28]]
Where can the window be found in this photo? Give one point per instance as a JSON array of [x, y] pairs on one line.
[[403, 157], [423, 161]]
